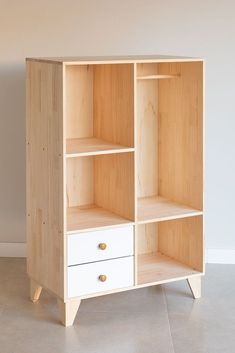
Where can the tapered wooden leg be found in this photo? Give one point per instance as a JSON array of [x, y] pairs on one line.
[[68, 311], [35, 291], [195, 286]]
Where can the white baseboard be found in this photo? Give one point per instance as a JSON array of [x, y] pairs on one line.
[[12, 249], [220, 256], [213, 256]]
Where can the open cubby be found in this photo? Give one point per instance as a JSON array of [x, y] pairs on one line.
[[99, 109], [169, 140], [169, 249], [100, 191]]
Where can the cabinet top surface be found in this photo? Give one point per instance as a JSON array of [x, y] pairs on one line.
[[114, 59]]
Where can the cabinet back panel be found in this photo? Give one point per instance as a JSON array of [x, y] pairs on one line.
[[147, 132], [147, 238], [114, 103], [79, 101], [80, 181], [182, 240], [114, 183], [180, 133]]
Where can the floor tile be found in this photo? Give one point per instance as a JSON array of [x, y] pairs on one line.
[[128, 322], [205, 325]]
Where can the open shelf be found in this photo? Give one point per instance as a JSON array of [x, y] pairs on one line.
[[106, 181], [92, 217], [169, 249], [157, 267], [99, 109], [157, 208], [78, 147]]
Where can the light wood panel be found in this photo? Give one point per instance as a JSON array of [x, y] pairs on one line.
[[80, 181], [114, 184], [181, 133], [79, 101], [44, 138], [153, 268], [147, 238], [147, 132], [182, 240], [114, 103], [92, 146], [92, 217], [157, 208]]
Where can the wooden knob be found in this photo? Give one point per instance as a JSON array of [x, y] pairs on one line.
[[102, 246], [102, 278]]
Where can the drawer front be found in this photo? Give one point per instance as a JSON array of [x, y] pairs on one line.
[[100, 245], [86, 279]]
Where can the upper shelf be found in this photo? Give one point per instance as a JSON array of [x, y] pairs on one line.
[[155, 209], [79, 147]]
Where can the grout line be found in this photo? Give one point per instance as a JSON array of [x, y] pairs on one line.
[[168, 320]]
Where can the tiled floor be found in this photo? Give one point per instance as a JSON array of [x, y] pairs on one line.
[[162, 319]]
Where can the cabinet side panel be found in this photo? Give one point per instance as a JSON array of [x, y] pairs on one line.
[[181, 133], [45, 244]]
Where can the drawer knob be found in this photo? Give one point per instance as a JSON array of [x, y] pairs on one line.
[[102, 278], [102, 246]]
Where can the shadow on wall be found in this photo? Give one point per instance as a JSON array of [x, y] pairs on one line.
[[12, 152]]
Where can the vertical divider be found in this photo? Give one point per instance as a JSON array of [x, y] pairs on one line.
[[136, 179]]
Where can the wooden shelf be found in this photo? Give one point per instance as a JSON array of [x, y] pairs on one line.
[[156, 77], [155, 267], [155, 208], [92, 146], [92, 217]]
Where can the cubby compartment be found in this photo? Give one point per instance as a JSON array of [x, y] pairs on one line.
[[169, 130], [99, 106], [169, 250], [100, 191]]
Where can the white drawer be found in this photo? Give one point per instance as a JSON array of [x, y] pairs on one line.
[[85, 279], [87, 247]]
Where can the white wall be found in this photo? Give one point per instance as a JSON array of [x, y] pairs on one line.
[[203, 28]]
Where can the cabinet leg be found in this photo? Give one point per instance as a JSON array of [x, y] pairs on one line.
[[195, 286], [35, 291], [68, 311]]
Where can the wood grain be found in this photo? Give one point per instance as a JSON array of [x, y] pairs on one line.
[[147, 133], [44, 138], [114, 103], [182, 239], [92, 147], [181, 134], [91, 217], [79, 101], [155, 209], [114, 184], [156, 267]]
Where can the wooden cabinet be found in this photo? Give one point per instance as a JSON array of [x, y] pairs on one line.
[[114, 175]]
